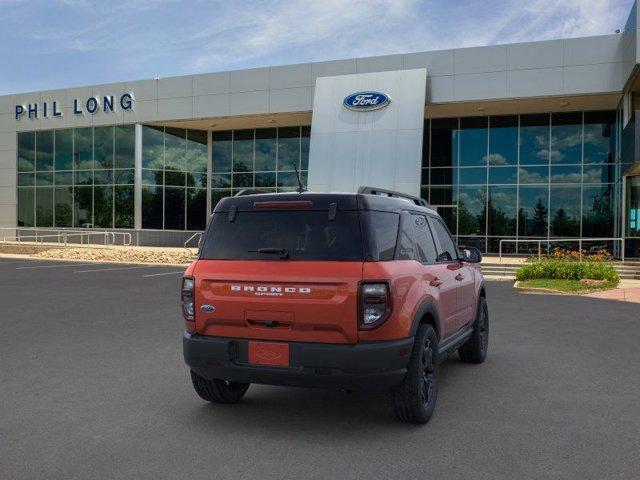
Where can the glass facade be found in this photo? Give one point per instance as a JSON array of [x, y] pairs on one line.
[[534, 176], [264, 158], [80, 177], [85, 177], [174, 178], [538, 176]]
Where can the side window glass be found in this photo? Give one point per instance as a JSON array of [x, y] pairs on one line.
[[424, 240], [447, 249], [406, 249]]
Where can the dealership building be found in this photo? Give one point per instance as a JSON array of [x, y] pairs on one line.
[[519, 142]]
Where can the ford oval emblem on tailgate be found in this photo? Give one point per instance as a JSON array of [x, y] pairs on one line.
[[366, 101], [208, 308]]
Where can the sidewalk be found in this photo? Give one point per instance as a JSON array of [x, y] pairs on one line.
[[627, 291]]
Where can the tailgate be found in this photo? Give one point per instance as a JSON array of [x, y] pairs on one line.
[[296, 301]]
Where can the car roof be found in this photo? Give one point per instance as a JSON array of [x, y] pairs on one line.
[[322, 201]]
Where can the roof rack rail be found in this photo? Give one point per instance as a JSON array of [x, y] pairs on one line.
[[391, 193], [249, 191]]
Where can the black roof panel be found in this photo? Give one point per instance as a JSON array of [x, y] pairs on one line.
[[321, 201]]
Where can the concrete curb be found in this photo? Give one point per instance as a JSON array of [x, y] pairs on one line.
[[548, 291]]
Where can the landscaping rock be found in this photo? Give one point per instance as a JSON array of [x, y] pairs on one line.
[[178, 256], [592, 283]]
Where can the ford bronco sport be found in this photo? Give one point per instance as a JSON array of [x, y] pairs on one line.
[[362, 292]]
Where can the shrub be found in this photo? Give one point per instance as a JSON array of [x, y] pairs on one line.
[[567, 270], [601, 255]]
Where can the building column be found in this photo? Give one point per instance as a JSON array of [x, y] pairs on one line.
[[209, 170], [137, 196]]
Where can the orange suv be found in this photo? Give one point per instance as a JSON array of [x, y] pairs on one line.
[[361, 292]]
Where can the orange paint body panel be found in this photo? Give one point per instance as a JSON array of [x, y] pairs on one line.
[[279, 300]]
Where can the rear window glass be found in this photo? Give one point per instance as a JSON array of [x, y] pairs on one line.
[[304, 235], [382, 232]]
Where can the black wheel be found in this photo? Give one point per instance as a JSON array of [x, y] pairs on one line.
[[415, 400], [218, 391], [475, 350]]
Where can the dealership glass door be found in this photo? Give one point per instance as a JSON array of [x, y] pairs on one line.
[[632, 216]]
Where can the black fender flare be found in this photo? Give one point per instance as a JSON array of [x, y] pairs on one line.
[[482, 288], [426, 307]]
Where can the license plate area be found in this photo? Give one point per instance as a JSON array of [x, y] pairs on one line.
[[269, 353]]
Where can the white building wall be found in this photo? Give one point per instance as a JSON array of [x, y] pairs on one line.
[[8, 148], [382, 148], [577, 66]]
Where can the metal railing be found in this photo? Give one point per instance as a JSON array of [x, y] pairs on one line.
[[64, 238], [548, 241], [188, 240]]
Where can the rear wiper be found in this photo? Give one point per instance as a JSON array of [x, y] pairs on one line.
[[283, 252]]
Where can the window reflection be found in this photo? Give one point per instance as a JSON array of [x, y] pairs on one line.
[[566, 174], [443, 142], [501, 209], [599, 141], [503, 141], [533, 211], [534, 139], [26, 151], [564, 211], [266, 146], [79, 163], [63, 149], [26, 207], [597, 211], [264, 158], [533, 175], [473, 141], [243, 150], [471, 210], [566, 138], [503, 175], [221, 148], [44, 150]]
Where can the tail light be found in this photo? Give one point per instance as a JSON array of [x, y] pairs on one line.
[[187, 297], [375, 304]]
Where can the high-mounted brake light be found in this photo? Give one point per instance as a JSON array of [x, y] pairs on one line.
[[375, 304], [268, 205], [187, 297]]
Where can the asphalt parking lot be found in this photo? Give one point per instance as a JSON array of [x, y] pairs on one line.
[[93, 386]]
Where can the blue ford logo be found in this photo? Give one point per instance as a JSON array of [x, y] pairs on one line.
[[366, 101], [208, 308]]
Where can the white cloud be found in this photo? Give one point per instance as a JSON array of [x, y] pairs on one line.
[[146, 38]]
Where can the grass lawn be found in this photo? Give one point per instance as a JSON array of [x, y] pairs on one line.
[[565, 286]]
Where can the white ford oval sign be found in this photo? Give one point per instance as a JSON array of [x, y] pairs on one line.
[[366, 101]]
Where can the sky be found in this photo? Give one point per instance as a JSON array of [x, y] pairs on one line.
[[48, 44]]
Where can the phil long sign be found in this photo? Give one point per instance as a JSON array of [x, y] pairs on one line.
[[91, 105]]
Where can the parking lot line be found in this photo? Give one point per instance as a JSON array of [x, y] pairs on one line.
[[164, 273], [57, 265], [116, 268]]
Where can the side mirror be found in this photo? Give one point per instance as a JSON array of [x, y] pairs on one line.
[[471, 255]]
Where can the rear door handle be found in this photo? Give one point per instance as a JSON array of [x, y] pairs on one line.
[[436, 282], [459, 277]]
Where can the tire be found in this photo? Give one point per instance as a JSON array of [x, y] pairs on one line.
[[218, 391], [415, 399], [475, 349]]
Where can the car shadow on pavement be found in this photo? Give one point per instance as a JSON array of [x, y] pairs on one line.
[[292, 411]]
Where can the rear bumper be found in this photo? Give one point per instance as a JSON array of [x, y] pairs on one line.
[[371, 367]]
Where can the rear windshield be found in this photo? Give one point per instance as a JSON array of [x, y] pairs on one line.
[[302, 234]]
